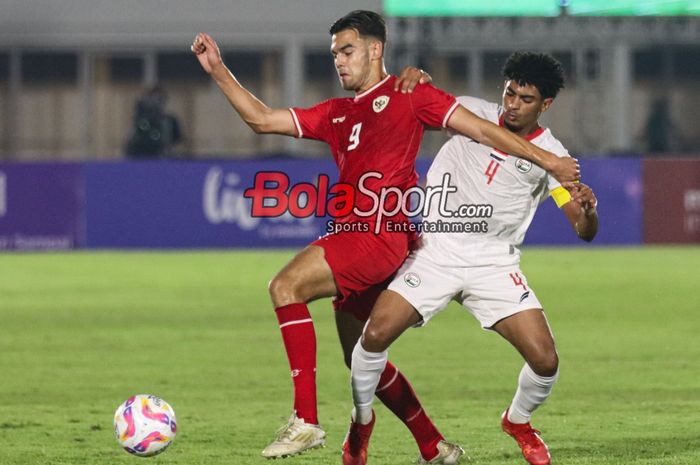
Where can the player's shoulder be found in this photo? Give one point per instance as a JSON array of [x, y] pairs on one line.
[[547, 141], [428, 89], [479, 106], [324, 104]]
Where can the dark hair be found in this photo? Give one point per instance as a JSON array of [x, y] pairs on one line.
[[367, 23], [536, 69]]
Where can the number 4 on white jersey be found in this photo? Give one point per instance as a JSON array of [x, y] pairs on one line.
[[355, 136]]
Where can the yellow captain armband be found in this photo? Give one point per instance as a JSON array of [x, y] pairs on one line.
[[561, 196]]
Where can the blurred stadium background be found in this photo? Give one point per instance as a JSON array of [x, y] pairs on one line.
[[86, 329], [72, 74]]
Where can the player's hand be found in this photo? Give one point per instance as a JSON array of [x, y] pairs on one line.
[[584, 196], [207, 52], [410, 77], [566, 170]]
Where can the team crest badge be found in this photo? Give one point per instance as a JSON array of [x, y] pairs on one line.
[[523, 166], [411, 279], [380, 103]]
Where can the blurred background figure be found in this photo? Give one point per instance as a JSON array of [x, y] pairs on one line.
[[154, 132], [660, 131]]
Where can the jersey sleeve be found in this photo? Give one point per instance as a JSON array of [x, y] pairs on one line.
[[432, 106], [314, 122], [481, 108]]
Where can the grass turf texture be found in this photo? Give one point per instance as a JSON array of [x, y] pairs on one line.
[[81, 332]]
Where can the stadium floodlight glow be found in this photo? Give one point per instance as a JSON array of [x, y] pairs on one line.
[[471, 8], [633, 7], [542, 8]]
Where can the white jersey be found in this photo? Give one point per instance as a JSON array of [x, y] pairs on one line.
[[485, 177]]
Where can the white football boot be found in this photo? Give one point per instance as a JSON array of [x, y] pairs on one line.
[[448, 454], [294, 438]]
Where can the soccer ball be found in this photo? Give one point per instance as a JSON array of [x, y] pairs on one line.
[[145, 425]]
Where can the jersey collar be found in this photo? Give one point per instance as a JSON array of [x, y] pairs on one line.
[[373, 88]]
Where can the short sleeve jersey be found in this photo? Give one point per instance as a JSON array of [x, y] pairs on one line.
[[514, 187], [379, 131]]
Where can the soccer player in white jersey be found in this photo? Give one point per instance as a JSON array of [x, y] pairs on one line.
[[481, 270]]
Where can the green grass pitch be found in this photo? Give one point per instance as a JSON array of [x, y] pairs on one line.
[[81, 332]]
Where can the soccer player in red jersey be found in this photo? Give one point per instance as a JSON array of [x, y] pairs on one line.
[[379, 131]]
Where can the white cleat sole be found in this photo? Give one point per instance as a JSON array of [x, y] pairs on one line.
[[320, 445]]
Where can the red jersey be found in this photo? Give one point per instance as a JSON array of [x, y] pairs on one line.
[[379, 130]]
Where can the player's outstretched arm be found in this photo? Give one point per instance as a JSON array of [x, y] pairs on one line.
[[261, 118], [581, 211], [564, 169]]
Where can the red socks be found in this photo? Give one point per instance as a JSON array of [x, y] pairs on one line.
[[393, 390], [396, 393], [300, 343]]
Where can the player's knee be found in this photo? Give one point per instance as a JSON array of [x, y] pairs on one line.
[[282, 290], [545, 364], [375, 339]]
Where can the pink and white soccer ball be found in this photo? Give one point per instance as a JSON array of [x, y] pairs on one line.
[[145, 425]]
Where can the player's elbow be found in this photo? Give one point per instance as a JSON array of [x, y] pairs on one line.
[[586, 228], [259, 122], [587, 236], [258, 127]]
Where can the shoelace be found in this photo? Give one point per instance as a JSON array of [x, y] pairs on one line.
[[287, 431], [529, 437]]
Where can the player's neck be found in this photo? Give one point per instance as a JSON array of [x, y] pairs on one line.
[[526, 130], [376, 75]]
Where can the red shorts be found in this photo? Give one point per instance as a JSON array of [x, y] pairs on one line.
[[362, 262], [360, 305]]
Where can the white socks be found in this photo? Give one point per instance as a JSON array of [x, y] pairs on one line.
[[367, 368], [532, 391]]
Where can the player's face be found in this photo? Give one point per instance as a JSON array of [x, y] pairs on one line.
[[522, 106], [352, 56]]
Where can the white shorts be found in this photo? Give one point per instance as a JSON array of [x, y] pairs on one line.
[[490, 293]]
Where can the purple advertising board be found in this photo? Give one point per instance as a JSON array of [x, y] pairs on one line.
[[197, 204], [617, 184], [191, 204], [41, 206]]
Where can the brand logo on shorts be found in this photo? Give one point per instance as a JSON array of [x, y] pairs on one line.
[[524, 166], [524, 296], [411, 279], [339, 120], [380, 103]]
